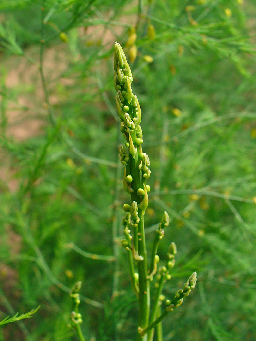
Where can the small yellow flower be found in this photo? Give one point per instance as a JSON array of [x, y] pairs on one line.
[[69, 273], [148, 59], [131, 40], [194, 197], [176, 112], [151, 32], [63, 37], [70, 163], [190, 8], [201, 233], [228, 12], [133, 53]]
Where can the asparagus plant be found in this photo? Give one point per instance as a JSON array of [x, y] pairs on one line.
[[136, 172]]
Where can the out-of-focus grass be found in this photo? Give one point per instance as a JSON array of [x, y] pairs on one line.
[[64, 184]]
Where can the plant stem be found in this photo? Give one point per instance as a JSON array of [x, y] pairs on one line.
[[144, 288], [79, 332], [159, 327], [155, 308]]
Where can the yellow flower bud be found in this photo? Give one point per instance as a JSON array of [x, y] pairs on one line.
[[176, 112], [63, 37], [133, 53], [131, 40], [194, 197], [190, 8], [148, 59], [151, 32], [228, 12]]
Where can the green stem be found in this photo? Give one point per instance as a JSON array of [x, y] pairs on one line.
[[155, 308], [159, 327], [154, 251], [154, 323], [144, 288], [79, 332], [132, 273]]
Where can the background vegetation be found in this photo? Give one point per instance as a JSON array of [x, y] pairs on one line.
[[61, 180]]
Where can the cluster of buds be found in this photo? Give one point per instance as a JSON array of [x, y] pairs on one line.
[[129, 111], [164, 271], [76, 317], [180, 294]]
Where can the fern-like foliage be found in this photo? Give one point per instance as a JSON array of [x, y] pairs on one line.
[[18, 317]]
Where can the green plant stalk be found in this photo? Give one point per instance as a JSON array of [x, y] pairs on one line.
[[159, 327], [136, 172], [156, 307], [128, 247], [144, 287], [135, 175], [79, 332]]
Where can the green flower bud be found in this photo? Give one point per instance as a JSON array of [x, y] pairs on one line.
[[128, 178], [140, 191], [126, 207], [138, 141], [161, 297], [192, 280], [63, 37], [173, 248], [124, 243], [165, 220], [171, 264]]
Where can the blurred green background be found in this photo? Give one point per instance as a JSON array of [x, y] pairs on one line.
[[61, 192]]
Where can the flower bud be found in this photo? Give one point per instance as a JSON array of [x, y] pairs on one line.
[[63, 37], [151, 32], [133, 53], [126, 207], [128, 178], [131, 40], [148, 59], [140, 191]]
